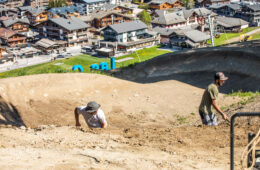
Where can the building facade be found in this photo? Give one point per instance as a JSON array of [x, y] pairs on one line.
[[72, 32]]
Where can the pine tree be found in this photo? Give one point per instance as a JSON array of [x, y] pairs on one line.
[[145, 17], [57, 3]]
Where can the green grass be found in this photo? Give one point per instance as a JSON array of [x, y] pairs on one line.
[[224, 37], [144, 54], [256, 36], [84, 60], [247, 97]]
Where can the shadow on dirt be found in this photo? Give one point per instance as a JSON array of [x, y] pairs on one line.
[[9, 115], [198, 66]]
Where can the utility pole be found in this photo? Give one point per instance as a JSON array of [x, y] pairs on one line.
[[211, 32]]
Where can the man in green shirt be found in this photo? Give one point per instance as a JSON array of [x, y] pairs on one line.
[[209, 101]]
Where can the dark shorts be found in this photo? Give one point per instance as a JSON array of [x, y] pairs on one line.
[[208, 119]]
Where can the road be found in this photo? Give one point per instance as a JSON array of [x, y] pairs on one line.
[[20, 63], [236, 39]]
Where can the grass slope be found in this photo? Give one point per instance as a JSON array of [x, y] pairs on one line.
[[84, 60]]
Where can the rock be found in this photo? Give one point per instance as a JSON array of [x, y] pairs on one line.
[[23, 127], [136, 95]]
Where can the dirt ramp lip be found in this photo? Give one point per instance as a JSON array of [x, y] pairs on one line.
[[197, 67]]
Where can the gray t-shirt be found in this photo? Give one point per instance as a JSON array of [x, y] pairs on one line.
[[93, 121]]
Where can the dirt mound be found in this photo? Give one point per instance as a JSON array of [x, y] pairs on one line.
[[152, 125], [51, 99], [197, 67]]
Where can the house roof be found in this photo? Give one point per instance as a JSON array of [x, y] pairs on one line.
[[9, 22], [234, 6], [230, 22], [204, 12], [170, 17], [5, 33], [196, 36], [109, 6], [66, 9], [3, 1], [128, 26], [216, 6], [36, 11], [46, 43], [70, 24], [162, 1], [254, 7], [163, 31], [3, 18], [101, 14], [93, 1], [25, 8]]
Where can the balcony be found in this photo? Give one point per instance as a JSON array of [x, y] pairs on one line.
[[82, 33], [53, 33], [78, 39], [41, 19], [16, 39]]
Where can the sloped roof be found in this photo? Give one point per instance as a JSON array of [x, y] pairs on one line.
[[163, 31], [204, 12], [216, 6], [46, 43], [162, 1], [102, 14], [9, 22], [234, 6], [5, 33], [25, 8], [70, 24], [128, 26], [168, 17], [196, 36], [94, 1], [36, 11], [254, 7], [230, 22], [66, 9]]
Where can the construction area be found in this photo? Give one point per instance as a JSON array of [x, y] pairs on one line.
[[151, 109]]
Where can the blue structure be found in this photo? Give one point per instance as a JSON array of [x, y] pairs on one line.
[[112, 63], [104, 65], [79, 67], [94, 66]]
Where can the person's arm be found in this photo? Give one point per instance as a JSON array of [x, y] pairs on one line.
[[103, 125], [76, 117], [102, 118], [215, 105]]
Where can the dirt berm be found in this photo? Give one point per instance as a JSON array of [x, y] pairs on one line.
[[240, 62]]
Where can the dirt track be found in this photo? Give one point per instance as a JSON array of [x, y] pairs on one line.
[[154, 125], [143, 125], [241, 62]]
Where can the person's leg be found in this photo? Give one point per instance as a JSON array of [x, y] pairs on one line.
[[213, 119], [202, 117], [207, 120]]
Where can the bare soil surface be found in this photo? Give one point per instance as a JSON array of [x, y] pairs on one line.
[[152, 126]]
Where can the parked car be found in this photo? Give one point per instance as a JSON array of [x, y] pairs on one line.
[[60, 56], [68, 54]]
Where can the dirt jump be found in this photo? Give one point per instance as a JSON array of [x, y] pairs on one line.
[[151, 109]]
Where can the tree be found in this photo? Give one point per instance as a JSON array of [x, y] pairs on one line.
[[145, 17], [57, 3], [188, 3]]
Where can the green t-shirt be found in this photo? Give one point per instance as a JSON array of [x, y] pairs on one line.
[[211, 93]]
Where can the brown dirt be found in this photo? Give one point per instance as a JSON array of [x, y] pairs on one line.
[[150, 125]]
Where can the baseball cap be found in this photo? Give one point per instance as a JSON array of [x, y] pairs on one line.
[[220, 76]]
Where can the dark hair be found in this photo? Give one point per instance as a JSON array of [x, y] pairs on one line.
[[216, 77]]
